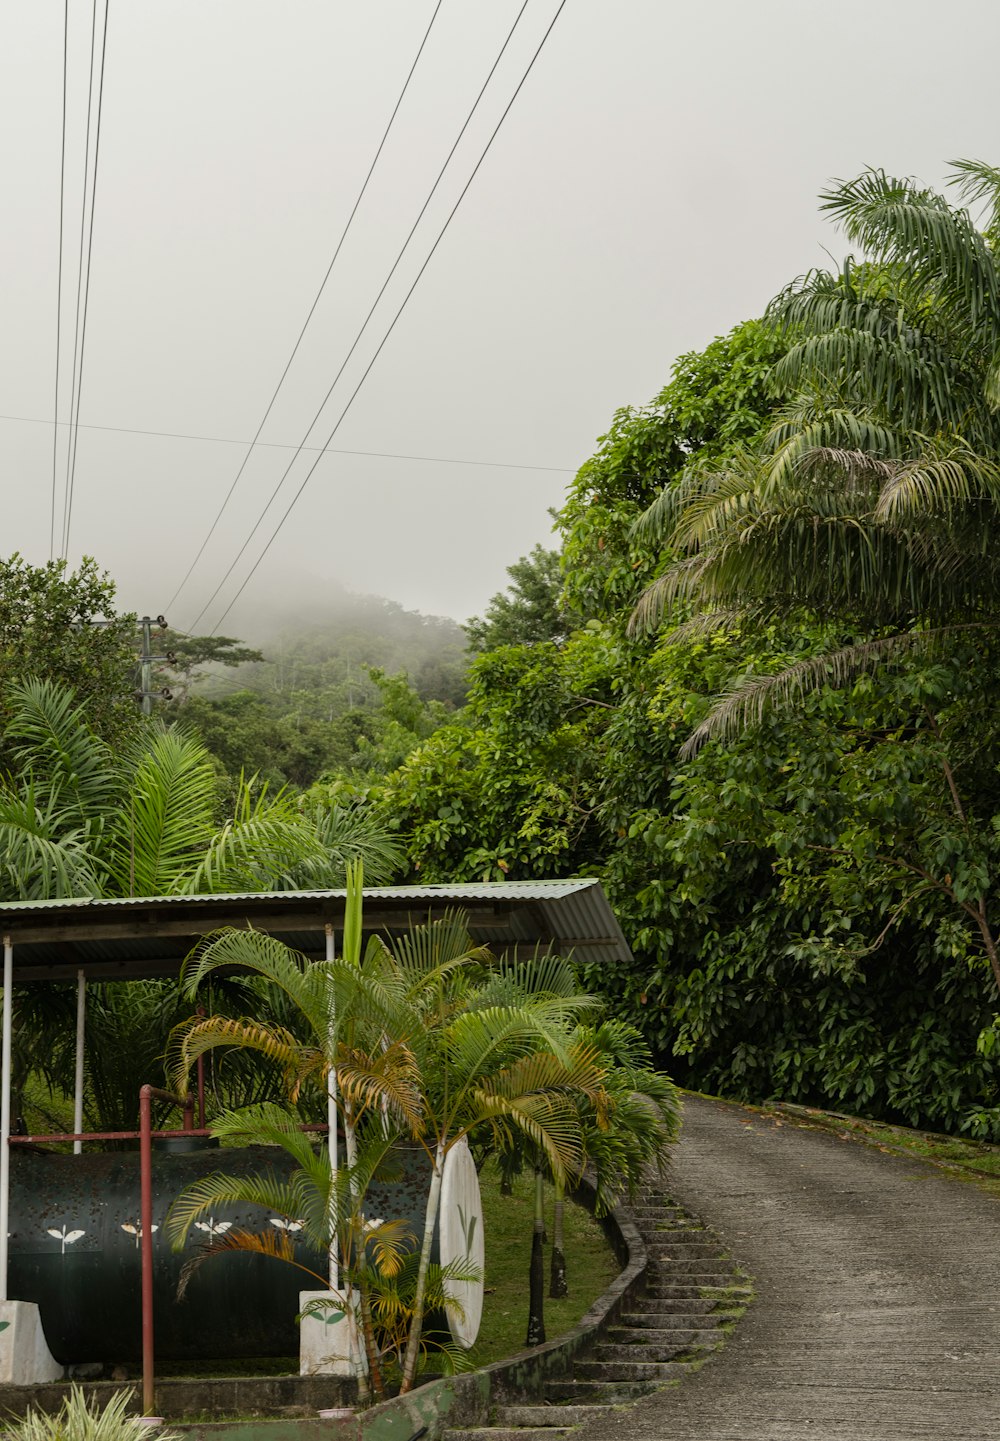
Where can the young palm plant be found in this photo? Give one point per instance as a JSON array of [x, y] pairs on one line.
[[497, 1059]]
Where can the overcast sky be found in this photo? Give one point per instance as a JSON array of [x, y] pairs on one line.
[[654, 184]]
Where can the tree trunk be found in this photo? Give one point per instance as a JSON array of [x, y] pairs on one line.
[[536, 1276], [417, 1319], [364, 1356], [557, 1267]]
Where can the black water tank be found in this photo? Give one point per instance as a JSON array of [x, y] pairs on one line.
[[74, 1249]]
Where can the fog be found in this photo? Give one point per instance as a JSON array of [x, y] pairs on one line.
[[654, 184]]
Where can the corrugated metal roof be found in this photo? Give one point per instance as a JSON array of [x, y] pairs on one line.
[[151, 935], [483, 890]]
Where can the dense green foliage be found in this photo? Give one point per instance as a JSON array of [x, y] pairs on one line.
[[63, 625], [531, 609], [809, 903], [347, 692]]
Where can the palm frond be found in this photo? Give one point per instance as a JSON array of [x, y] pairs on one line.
[[278, 1245], [979, 184], [42, 857], [745, 706], [932, 484], [345, 834], [260, 847], [288, 971], [387, 1077], [427, 954], [165, 818], [200, 1035], [899, 222], [921, 386], [72, 768], [295, 1198], [679, 585], [706, 623]]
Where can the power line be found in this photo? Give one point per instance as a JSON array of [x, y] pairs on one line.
[[371, 312], [312, 308], [392, 326], [62, 203], [287, 445], [79, 266], [86, 287]]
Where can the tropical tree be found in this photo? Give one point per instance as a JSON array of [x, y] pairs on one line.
[[873, 499], [62, 625], [531, 609]]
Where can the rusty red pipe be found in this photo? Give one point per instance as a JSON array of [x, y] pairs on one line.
[[146, 1095], [201, 1083]]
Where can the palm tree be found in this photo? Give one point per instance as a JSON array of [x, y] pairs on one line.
[[424, 1036], [632, 1143], [77, 819], [338, 1028], [874, 502], [496, 1061]]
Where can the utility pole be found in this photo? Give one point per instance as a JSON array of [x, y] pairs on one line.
[[146, 664], [145, 695]]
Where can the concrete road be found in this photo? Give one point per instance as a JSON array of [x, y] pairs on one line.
[[877, 1314]]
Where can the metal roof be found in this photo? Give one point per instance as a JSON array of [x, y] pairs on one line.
[[119, 938]]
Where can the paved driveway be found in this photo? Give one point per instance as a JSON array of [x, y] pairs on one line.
[[877, 1314]]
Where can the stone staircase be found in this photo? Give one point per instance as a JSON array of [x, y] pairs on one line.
[[692, 1292]]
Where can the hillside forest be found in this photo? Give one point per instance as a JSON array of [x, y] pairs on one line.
[[751, 686]]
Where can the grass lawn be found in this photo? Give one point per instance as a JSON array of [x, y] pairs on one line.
[[590, 1267]]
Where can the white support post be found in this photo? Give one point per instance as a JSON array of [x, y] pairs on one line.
[[81, 1021], [5, 1064], [328, 1340], [331, 1116]]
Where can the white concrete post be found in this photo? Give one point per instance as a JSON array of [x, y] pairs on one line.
[[81, 1014], [5, 1065]]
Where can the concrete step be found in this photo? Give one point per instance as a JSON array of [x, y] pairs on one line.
[[597, 1393], [662, 1274], [687, 1246], [659, 1232], [643, 1335], [617, 1371], [679, 1262], [656, 1345], [662, 1283], [569, 1414], [681, 1343], [672, 1306], [667, 1320], [507, 1433]]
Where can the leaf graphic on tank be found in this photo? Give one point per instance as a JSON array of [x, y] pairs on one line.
[[212, 1227], [66, 1238], [134, 1228], [283, 1225], [4, 1325], [330, 1317]]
